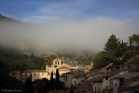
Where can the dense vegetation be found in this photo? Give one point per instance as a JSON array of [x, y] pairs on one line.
[[41, 86], [44, 85], [117, 52], [74, 59], [14, 60], [6, 81], [48, 61]]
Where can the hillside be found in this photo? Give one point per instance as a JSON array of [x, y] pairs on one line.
[[14, 60], [121, 54], [69, 57], [9, 20], [23, 49]]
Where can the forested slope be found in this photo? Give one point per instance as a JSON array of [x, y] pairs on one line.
[[14, 60]]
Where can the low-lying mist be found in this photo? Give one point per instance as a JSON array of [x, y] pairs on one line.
[[90, 34]]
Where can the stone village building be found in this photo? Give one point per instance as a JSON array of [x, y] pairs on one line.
[[66, 73], [97, 81], [39, 74], [119, 81]]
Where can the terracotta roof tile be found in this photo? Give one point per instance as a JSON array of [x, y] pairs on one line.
[[31, 71], [64, 67]]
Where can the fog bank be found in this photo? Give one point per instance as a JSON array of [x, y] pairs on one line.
[[89, 34]]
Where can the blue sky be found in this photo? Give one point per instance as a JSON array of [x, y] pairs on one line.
[[45, 10], [78, 24]]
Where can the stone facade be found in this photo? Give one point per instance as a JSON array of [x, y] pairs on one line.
[[39, 74], [119, 81]]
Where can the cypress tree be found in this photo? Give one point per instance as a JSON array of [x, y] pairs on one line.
[[57, 78], [51, 81]]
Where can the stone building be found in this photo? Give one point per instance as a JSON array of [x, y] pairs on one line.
[[39, 74], [117, 81]]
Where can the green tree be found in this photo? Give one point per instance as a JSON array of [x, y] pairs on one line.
[[57, 79], [47, 86], [41, 86], [101, 60], [52, 81], [7, 82], [28, 87], [135, 38], [49, 60], [137, 48], [128, 54], [122, 48], [130, 40], [112, 43]]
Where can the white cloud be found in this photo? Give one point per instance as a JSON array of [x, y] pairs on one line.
[[58, 11]]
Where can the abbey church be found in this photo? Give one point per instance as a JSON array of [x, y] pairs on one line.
[[39, 74]]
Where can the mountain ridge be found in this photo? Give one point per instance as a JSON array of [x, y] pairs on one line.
[[8, 19]]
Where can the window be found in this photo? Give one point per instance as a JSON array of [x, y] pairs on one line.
[[120, 84], [106, 84], [121, 79], [58, 63], [34, 74], [38, 74], [42, 74]]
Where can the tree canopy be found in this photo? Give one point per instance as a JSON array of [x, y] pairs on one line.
[[134, 39], [112, 43], [14, 60], [7, 82], [116, 51], [57, 79], [49, 60]]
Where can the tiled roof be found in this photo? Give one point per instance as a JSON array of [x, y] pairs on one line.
[[112, 73], [31, 71], [96, 79], [133, 78], [127, 75], [128, 88], [133, 70], [78, 76], [64, 67], [15, 72], [68, 73], [92, 80]]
